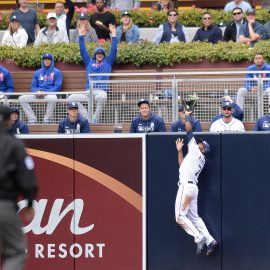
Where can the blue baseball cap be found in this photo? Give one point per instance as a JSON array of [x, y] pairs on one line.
[[226, 104], [13, 18], [73, 105], [83, 16], [205, 145], [181, 108], [14, 110], [47, 55], [143, 101]]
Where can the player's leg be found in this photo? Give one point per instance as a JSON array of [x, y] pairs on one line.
[[183, 200], [100, 97], [242, 92], [50, 107], [24, 102], [197, 220]]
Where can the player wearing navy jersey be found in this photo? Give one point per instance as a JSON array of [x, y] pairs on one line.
[[227, 123], [186, 208], [17, 126], [146, 121], [74, 123], [263, 123], [179, 125]]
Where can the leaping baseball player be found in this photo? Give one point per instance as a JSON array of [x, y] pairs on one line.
[[186, 208]]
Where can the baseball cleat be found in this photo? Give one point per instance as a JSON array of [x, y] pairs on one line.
[[200, 245], [211, 248]]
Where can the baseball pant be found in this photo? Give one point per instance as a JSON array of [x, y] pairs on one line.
[[242, 92], [100, 97], [24, 101], [12, 239], [186, 213]]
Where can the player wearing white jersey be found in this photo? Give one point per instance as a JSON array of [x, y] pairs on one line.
[[186, 208], [227, 123]]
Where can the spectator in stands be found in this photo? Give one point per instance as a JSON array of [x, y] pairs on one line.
[[232, 30], [99, 63], [101, 20], [172, 30], [6, 82], [51, 33], [15, 35], [208, 32], [28, 19], [74, 123], [251, 86], [128, 31], [63, 19], [239, 4], [267, 27], [47, 79], [227, 123], [17, 126], [253, 31], [156, 6], [125, 4], [91, 35], [179, 125], [146, 121], [263, 123], [237, 111], [165, 5]]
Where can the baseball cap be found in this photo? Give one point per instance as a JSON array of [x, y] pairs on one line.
[[73, 105], [4, 113], [251, 11], [143, 101], [83, 16], [125, 13], [181, 108], [47, 55], [51, 15], [205, 144], [14, 110], [226, 104], [13, 18]]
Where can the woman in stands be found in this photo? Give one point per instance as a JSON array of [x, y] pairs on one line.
[[128, 31], [91, 35], [15, 35]]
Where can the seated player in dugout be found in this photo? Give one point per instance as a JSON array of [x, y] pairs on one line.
[[146, 121], [74, 123]]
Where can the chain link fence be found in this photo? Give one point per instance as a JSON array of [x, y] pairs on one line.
[[164, 95]]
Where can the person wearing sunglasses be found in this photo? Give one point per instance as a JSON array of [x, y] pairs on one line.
[[208, 32], [232, 30], [237, 111], [253, 31], [172, 30], [244, 5], [227, 123]]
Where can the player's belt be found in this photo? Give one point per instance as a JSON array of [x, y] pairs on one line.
[[191, 182]]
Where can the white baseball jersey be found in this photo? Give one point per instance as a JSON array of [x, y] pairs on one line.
[[192, 164], [234, 126]]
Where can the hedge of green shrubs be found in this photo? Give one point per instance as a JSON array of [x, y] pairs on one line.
[[144, 18], [165, 54]]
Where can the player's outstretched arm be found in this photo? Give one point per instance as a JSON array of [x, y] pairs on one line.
[[179, 146], [188, 125]]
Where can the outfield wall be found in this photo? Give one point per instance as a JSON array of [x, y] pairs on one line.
[[115, 226]]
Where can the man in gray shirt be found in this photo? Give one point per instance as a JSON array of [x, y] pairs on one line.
[[125, 4], [252, 31], [28, 19]]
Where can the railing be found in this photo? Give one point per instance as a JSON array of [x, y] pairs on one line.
[[164, 91]]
